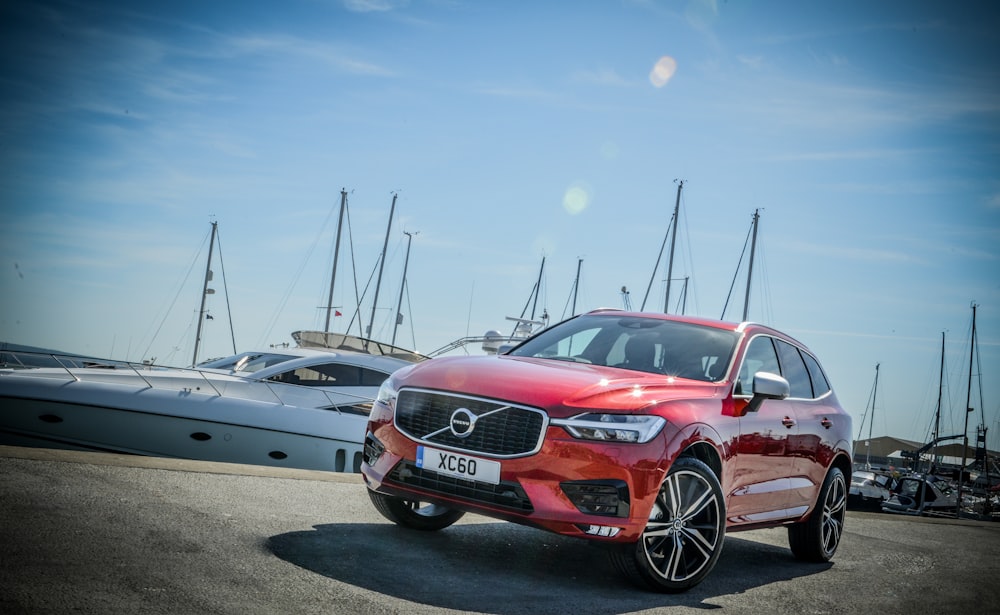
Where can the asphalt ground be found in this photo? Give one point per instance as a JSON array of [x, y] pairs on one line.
[[100, 533]]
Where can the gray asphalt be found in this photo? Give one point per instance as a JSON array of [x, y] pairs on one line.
[[96, 533]]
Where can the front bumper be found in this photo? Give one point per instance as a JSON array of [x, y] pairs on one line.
[[570, 487]]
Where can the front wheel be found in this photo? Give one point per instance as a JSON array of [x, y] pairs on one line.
[[414, 514], [816, 539], [684, 535]]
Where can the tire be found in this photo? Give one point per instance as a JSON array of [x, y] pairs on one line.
[[816, 539], [684, 535], [413, 514]]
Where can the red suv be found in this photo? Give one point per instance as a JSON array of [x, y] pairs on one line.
[[652, 433]]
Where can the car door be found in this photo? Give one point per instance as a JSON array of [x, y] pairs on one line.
[[761, 467], [810, 449]]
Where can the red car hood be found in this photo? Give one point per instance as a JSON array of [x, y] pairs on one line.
[[562, 388]]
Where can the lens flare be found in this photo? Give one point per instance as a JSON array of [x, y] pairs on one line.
[[662, 72], [576, 199]]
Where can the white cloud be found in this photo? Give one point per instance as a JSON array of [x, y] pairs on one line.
[[854, 253], [753, 62], [601, 76], [371, 6], [294, 46]]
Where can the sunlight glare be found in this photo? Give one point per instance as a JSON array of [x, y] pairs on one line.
[[662, 72], [576, 199]]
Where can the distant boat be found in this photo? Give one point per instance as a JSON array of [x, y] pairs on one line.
[[294, 407]]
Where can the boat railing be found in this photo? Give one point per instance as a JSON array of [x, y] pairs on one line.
[[187, 380]]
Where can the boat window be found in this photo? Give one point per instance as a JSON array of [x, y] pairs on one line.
[[331, 374], [372, 377], [793, 368], [760, 357]]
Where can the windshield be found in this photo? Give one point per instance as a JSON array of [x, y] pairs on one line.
[[641, 344]]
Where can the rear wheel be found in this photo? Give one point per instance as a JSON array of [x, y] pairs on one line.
[[684, 535], [414, 514], [816, 539]]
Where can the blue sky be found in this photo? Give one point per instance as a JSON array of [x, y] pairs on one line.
[[866, 133]]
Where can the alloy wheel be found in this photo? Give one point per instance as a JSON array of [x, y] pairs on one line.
[[685, 528]]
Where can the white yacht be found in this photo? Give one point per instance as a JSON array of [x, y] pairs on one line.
[[292, 407]]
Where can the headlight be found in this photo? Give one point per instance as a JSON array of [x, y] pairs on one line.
[[636, 428], [387, 393]]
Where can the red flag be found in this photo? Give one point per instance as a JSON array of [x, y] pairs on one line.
[[337, 313]]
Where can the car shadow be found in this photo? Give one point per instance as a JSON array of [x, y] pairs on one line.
[[508, 569]]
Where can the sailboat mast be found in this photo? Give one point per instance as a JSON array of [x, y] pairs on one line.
[[538, 288], [336, 253], [871, 417], [402, 287], [968, 411], [673, 244], [204, 293], [378, 282], [753, 247], [937, 413], [576, 285]]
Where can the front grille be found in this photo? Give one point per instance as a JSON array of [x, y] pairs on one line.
[[506, 494], [501, 430]]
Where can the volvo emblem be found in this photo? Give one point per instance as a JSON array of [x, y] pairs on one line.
[[462, 422]]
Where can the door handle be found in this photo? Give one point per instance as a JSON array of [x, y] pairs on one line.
[[788, 422], [827, 423]]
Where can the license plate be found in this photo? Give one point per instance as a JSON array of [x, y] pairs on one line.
[[459, 466]]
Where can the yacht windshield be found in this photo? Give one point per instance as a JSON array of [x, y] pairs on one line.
[[248, 362]]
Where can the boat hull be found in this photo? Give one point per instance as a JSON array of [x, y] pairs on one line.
[[186, 423]]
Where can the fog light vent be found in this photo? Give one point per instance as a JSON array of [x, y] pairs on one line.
[[373, 449], [607, 498]]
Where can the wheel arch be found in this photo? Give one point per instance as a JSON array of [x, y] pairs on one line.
[[843, 462], [705, 452]]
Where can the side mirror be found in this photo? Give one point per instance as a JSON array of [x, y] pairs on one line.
[[767, 386]]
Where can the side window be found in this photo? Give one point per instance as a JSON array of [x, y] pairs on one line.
[[794, 370], [760, 357], [329, 374], [820, 384], [372, 378]]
